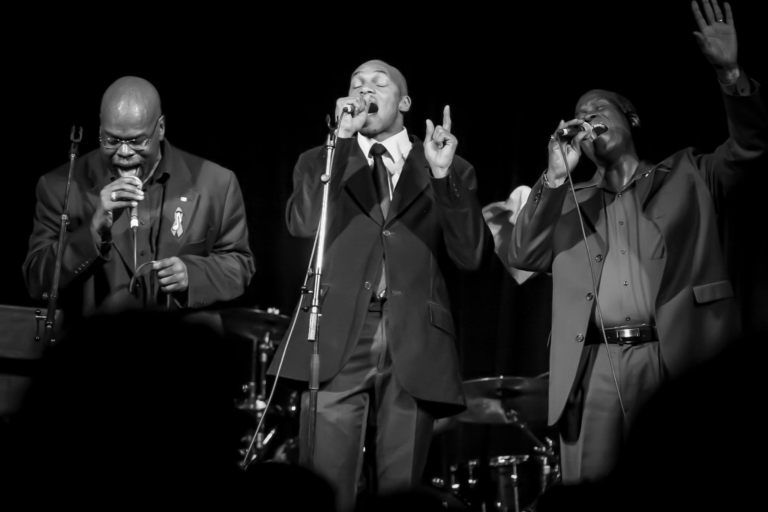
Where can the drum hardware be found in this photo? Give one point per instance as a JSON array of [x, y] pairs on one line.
[[506, 469], [260, 328], [501, 482]]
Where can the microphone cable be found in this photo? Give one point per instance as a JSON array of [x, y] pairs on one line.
[[592, 273], [286, 339]]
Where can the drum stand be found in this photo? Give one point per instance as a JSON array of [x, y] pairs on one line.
[[257, 390]]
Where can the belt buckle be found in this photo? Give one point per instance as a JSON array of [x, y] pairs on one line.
[[621, 334]]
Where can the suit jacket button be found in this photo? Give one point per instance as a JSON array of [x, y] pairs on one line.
[[579, 338], [387, 232], [367, 285], [599, 258], [590, 296]]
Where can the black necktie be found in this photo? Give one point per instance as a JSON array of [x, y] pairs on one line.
[[380, 177]]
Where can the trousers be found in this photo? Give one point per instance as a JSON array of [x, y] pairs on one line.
[[366, 389], [593, 428]]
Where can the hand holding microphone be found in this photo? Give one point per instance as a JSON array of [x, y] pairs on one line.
[[124, 192], [352, 113], [576, 131]]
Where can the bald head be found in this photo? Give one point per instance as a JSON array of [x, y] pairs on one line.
[[130, 100], [130, 112], [394, 73]]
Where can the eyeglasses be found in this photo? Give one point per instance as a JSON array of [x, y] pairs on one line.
[[112, 143]]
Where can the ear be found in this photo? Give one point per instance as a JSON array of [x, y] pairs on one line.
[[161, 127], [405, 104], [634, 120]]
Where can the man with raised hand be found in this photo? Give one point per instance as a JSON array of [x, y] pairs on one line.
[[387, 338], [665, 300]]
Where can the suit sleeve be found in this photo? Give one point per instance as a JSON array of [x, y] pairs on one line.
[[531, 247], [461, 219], [746, 145], [223, 274], [80, 249], [302, 213]]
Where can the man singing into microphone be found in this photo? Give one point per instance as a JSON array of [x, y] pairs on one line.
[[190, 244], [663, 294], [387, 339]]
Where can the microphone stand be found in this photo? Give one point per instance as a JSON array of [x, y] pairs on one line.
[[53, 296], [315, 309]]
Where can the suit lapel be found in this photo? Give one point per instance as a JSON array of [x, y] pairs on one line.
[[414, 179], [179, 196], [651, 182], [358, 179]]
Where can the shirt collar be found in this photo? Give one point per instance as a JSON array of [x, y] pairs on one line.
[[398, 146]]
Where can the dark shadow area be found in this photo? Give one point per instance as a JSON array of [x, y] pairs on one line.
[[693, 447]]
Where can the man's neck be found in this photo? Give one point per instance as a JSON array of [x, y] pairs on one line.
[[619, 172]]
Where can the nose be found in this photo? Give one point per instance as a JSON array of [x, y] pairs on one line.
[[590, 117], [125, 150]]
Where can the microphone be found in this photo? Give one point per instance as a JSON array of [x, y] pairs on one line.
[[349, 109], [570, 132], [134, 217]]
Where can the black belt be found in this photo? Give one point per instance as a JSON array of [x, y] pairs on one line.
[[377, 303], [623, 335]]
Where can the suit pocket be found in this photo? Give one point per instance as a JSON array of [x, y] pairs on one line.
[[194, 248], [711, 292], [441, 318]]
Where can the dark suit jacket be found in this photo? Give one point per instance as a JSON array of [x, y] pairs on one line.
[[425, 216], [213, 245], [695, 310]]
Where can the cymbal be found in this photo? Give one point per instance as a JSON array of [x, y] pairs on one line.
[[505, 400], [252, 322]]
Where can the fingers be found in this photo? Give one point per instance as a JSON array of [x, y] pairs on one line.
[[709, 12], [447, 118], [728, 14], [430, 132], [718, 12], [163, 264], [698, 16]]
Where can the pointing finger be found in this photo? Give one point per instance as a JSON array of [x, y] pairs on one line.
[[447, 118]]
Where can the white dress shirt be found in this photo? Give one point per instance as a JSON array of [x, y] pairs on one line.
[[398, 147]]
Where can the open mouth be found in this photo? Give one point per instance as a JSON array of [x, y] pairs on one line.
[[128, 171], [373, 108], [598, 129]]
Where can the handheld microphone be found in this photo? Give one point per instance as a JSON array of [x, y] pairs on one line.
[[349, 109], [570, 132], [134, 217]]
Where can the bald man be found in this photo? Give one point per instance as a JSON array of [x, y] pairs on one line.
[[387, 338], [190, 245]]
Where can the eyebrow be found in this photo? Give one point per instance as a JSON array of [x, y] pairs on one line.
[[381, 71]]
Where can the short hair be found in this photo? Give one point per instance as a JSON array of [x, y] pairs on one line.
[[626, 106]]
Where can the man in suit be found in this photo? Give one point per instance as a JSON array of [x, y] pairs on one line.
[[387, 339], [190, 245], [663, 298]]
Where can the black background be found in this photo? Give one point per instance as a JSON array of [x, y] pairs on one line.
[[249, 89]]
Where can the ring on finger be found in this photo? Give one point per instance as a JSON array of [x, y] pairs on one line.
[[113, 196]]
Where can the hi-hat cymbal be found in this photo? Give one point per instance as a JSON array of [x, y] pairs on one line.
[[505, 400]]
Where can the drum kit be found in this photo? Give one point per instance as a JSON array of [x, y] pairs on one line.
[[495, 456]]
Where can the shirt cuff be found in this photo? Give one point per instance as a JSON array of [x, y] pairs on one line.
[[103, 245], [741, 87]]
